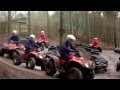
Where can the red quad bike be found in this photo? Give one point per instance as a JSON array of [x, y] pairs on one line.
[[33, 58], [118, 65], [76, 68], [9, 48], [98, 47], [42, 43]]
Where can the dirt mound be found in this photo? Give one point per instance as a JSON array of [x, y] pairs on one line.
[[8, 72]]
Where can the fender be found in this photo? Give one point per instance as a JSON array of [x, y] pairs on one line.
[[34, 53], [80, 60], [56, 61]]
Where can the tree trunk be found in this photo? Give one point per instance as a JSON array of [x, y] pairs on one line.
[[15, 20], [29, 22], [9, 21], [61, 30], [88, 27], [77, 32], [71, 23], [48, 24], [94, 24], [115, 41]]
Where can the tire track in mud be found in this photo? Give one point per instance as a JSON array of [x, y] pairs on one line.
[[112, 59]]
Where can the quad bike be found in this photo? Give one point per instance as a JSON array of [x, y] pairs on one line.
[[117, 50], [33, 58], [75, 68], [100, 63], [89, 47], [43, 44], [118, 65], [9, 48]]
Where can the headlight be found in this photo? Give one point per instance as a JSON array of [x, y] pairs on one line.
[[86, 65], [40, 57]]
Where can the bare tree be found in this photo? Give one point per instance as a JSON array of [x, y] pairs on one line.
[[70, 22], [88, 27], [9, 21], [48, 23], [115, 40], [29, 22], [61, 30]]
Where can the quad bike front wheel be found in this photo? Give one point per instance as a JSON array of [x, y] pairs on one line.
[[16, 58], [2, 52], [49, 68], [74, 73], [100, 50], [31, 63], [118, 66], [91, 75]]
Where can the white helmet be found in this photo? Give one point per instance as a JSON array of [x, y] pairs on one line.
[[71, 38], [15, 32], [32, 36], [95, 38], [42, 32]]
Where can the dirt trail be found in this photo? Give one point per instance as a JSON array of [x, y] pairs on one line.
[[112, 61]]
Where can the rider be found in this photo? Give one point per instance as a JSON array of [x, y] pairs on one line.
[[67, 47], [95, 42], [42, 36], [14, 38], [30, 45]]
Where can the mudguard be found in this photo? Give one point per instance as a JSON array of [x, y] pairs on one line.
[[81, 61], [56, 62]]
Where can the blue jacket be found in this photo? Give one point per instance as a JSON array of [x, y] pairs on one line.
[[65, 48], [31, 45], [14, 38]]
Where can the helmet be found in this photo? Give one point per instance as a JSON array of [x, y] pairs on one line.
[[42, 32], [95, 38], [71, 38], [14, 32], [32, 37]]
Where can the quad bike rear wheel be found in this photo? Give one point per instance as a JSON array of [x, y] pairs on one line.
[[16, 58], [100, 50], [42, 67], [2, 52], [49, 68], [31, 63], [118, 66], [74, 73]]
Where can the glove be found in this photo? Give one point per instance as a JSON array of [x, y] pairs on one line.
[[11, 41], [77, 54], [39, 49], [71, 50]]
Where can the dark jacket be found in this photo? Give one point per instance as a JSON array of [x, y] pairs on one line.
[[30, 46], [14, 38], [65, 50]]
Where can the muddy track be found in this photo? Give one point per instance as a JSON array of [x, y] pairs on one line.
[[37, 71], [108, 55], [112, 59]]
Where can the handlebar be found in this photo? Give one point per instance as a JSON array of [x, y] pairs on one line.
[[78, 54]]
